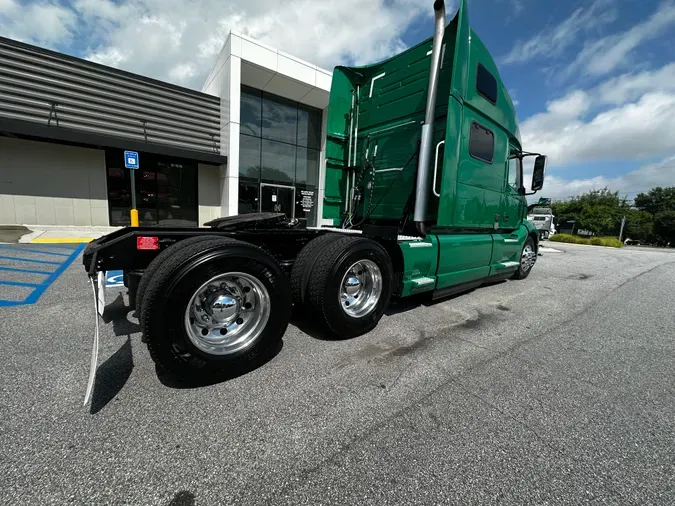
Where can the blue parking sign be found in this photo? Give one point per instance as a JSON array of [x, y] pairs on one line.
[[131, 159]]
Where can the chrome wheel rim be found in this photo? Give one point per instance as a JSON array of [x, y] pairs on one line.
[[361, 288], [227, 313], [528, 258]]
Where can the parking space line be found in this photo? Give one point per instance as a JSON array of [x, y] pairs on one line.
[[19, 283], [27, 271], [7, 246], [38, 289], [18, 259]]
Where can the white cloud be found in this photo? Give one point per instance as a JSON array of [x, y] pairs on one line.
[[629, 117], [178, 41], [602, 56], [628, 185], [553, 41], [44, 22], [629, 87]]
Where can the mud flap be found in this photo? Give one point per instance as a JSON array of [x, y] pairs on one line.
[[98, 290]]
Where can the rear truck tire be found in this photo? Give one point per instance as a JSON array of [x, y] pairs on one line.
[[155, 265], [215, 307], [528, 257], [350, 285], [303, 265]]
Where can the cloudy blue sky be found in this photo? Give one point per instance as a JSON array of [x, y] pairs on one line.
[[593, 80]]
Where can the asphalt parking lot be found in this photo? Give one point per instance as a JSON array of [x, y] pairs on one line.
[[553, 390]]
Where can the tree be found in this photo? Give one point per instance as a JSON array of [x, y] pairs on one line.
[[599, 211], [657, 200], [664, 227], [639, 225], [660, 202]]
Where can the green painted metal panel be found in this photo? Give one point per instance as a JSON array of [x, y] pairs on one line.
[[420, 260], [463, 258], [506, 250], [503, 112]]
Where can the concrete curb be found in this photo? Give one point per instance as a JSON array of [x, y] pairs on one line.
[[61, 240]]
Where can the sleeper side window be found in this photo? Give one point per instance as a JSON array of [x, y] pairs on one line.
[[486, 84], [481, 143]]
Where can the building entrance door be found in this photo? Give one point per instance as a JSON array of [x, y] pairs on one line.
[[276, 198]]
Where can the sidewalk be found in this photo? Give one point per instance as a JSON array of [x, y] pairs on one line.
[[47, 234]]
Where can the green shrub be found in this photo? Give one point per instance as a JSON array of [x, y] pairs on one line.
[[610, 242]]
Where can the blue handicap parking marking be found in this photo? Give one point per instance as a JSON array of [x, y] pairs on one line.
[[114, 278], [27, 271]]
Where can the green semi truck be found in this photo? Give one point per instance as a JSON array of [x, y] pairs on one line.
[[424, 190]]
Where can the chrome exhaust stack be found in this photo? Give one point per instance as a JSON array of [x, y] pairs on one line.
[[426, 141]]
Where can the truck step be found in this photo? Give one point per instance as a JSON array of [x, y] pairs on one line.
[[507, 265], [423, 281]]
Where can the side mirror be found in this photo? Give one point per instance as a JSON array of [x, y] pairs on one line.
[[538, 173]]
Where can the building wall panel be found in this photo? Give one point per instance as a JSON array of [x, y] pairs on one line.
[[51, 184], [50, 88]]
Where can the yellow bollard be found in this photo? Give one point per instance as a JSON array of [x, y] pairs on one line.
[[134, 217]]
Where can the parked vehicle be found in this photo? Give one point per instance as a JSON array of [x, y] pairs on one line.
[[542, 218], [424, 188]]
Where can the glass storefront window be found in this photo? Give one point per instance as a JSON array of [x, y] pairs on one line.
[[307, 166], [279, 120], [249, 195], [309, 128], [251, 112], [249, 157], [280, 144], [278, 162]]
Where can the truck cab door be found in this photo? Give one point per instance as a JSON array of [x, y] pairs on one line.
[[508, 238], [512, 201]]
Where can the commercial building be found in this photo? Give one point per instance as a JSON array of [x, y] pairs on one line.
[[250, 140]]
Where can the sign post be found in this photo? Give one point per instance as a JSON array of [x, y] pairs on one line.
[[131, 162]]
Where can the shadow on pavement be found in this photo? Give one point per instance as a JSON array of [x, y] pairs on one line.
[[12, 233], [113, 374], [173, 381], [183, 498], [111, 377]]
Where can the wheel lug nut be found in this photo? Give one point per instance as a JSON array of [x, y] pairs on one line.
[[204, 332], [248, 305], [205, 318], [223, 331], [240, 321], [247, 289]]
